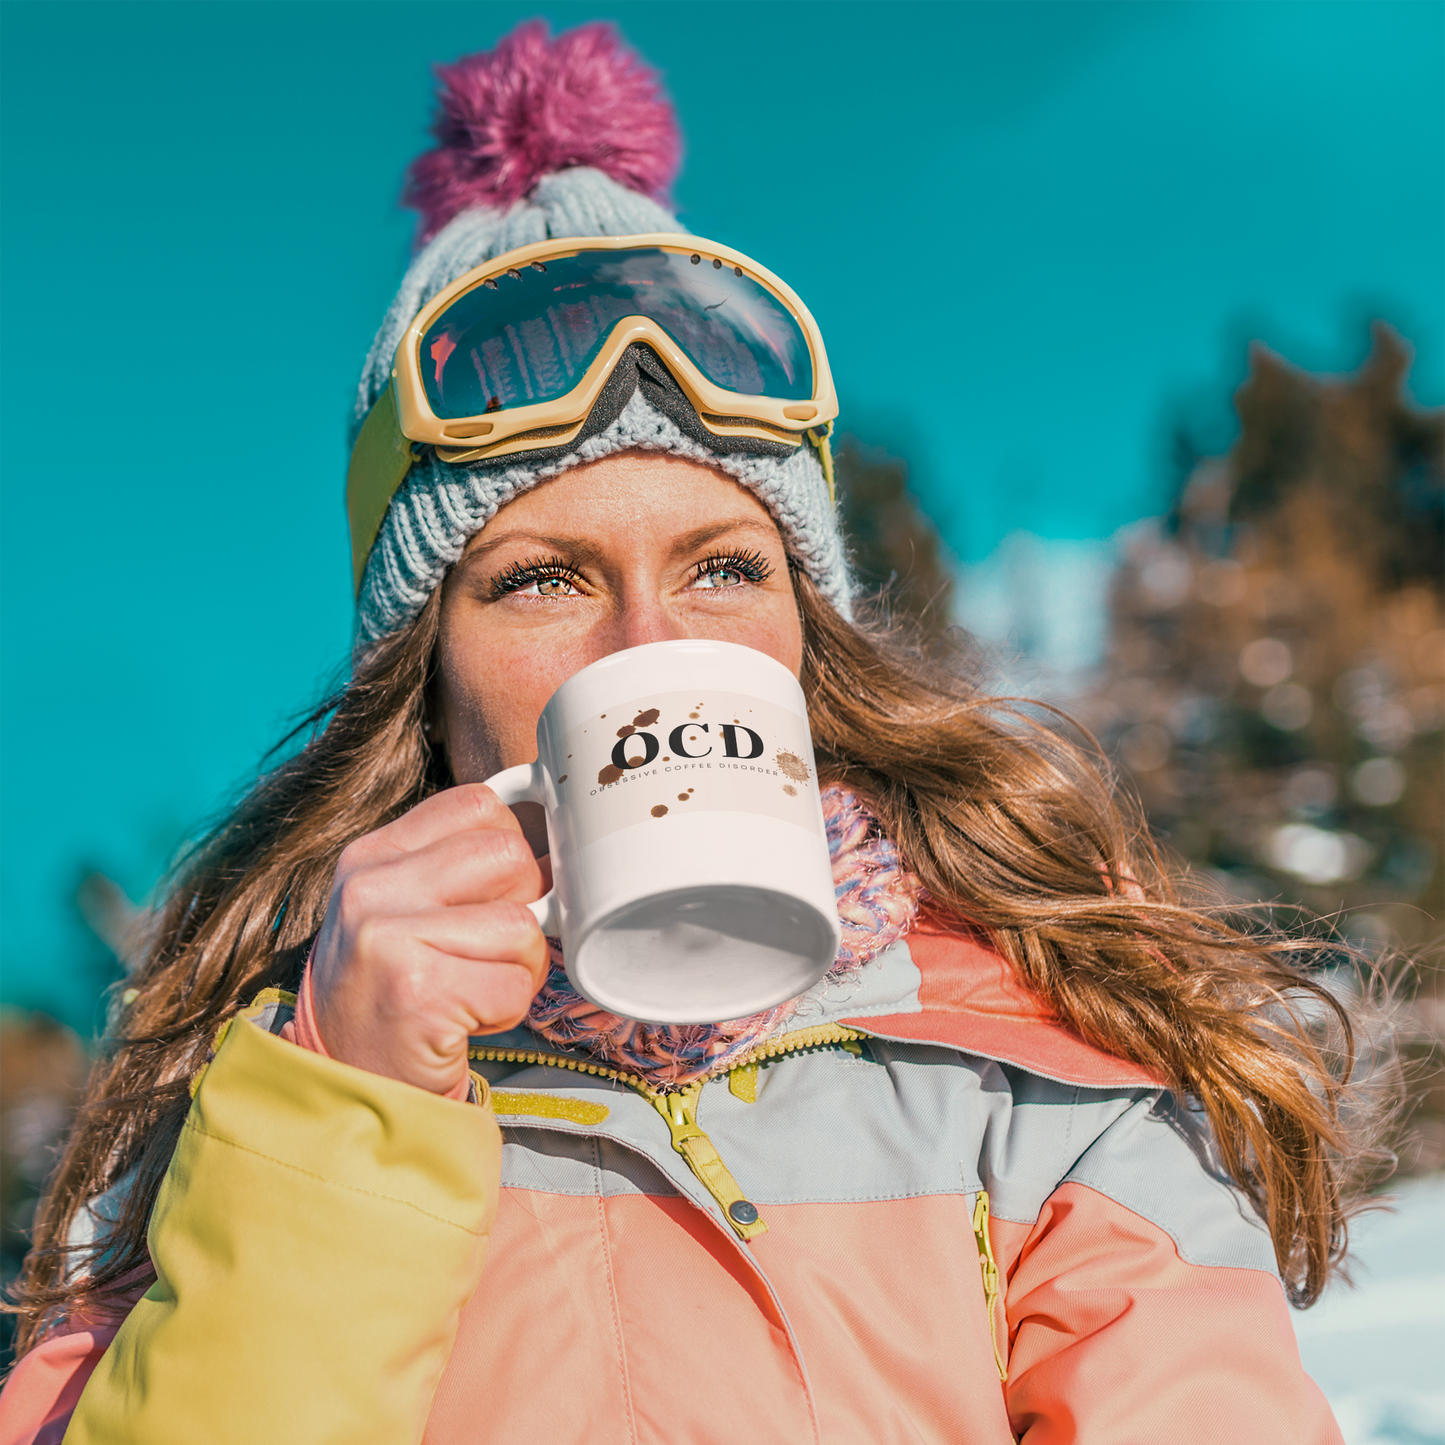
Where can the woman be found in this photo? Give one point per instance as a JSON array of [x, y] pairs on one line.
[[1034, 1161]]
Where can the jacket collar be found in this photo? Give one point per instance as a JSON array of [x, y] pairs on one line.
[[943, 986], [965, 995]]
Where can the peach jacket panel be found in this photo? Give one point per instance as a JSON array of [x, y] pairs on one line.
[[934, 1216]]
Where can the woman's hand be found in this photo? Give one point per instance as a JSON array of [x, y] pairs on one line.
[[427, 940]]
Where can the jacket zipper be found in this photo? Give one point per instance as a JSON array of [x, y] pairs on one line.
[[678, 1107], [989, 1269]]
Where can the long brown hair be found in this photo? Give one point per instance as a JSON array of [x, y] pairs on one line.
[[1014, 828]]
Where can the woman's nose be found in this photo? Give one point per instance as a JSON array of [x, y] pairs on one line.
[[644, 620]]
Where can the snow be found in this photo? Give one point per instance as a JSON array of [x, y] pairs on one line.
[[1378, 1349]]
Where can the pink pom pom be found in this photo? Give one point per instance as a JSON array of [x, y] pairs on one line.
[[534, 106]]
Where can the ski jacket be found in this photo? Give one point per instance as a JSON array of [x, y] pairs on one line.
[[929, 1213]]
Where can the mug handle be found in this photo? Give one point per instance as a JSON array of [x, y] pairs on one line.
[[524, 784]]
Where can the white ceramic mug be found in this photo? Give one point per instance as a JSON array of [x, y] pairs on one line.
[[692, 881]]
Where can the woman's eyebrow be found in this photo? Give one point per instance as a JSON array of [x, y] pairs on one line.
[[701, 536], [573, 548], [583, 551]]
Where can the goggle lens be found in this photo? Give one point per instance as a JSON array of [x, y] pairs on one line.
[[532, 338]]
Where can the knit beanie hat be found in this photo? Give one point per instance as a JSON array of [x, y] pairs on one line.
[[538, 139]]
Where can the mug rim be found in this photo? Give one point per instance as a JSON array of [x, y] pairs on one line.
[[675, 646], [672, 644]]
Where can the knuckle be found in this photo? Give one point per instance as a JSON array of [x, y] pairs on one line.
[[369, 938], [512, 850], [353, 899], [484, 803], [356, 855], [411, 986], [502, 857], [517, 923]]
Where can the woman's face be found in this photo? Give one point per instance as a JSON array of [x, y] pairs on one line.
[[638, 547]]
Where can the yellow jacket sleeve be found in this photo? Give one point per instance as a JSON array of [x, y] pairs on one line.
[[315, 1239]]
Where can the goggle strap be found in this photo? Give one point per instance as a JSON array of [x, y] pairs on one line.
[[819, 437], [380, 461]]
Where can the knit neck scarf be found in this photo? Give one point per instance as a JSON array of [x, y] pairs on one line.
[[877, 903]]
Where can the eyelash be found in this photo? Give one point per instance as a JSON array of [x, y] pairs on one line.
[[753, 566], [517, 575]]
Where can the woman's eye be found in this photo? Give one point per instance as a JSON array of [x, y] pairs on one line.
[[733, 570], [720, 577], [549, 578], [553, 579], [547, 587]]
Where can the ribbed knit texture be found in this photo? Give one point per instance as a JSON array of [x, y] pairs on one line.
[[441, 507]]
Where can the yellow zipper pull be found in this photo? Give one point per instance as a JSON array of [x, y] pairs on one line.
[[680, 1112], [743, 1083], [989, 1270]]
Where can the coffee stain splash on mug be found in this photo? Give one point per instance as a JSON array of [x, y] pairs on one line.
[[790, 765], [611, 773]]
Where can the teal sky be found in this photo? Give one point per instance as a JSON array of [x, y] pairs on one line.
[[1035, 236]]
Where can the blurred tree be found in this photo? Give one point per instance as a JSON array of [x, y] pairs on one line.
[[1275, 683], [42, 1069], [43, 1066], [896, 550]]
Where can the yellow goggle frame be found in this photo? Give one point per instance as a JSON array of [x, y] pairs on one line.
[[402, 414]]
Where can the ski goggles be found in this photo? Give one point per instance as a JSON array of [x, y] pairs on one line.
[[511, 357]]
